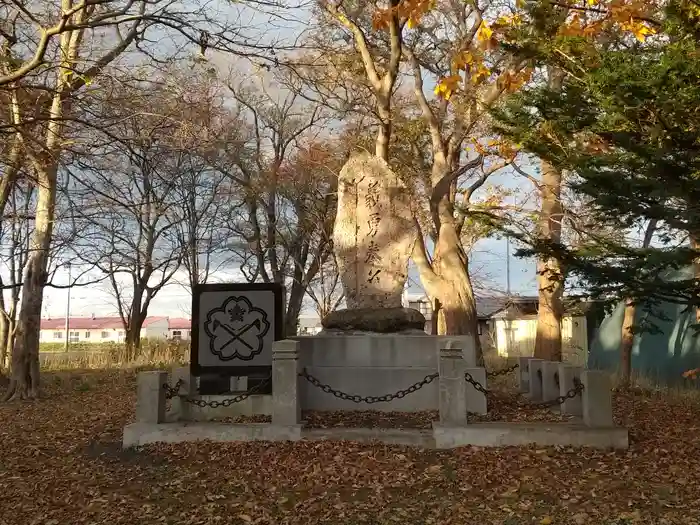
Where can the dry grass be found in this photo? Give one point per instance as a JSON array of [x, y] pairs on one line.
[[153, 353]]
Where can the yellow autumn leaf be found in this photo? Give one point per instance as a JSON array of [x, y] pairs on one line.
[[592, 2], [411, 23], [484, 33], [480, 74], [642, 31], [446, 86], [462, 61], [520, 4], [546, 521]]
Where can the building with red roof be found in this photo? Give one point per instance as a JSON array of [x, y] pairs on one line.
[[110, 329]]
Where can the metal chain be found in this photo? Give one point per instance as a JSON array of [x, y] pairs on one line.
[[171, 392], [576, 390], [503, 371], [356, 398], [477, 386]]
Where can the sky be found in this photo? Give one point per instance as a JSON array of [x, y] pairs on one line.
[[487, 260]]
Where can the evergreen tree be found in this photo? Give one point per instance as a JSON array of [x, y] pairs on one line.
[[626, 125]]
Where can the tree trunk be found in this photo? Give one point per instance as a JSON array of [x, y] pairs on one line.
[[381, 149], [695, 245], [24, 380], [626, 344], [550, 276], [294, 304], [4, 337], [447, 281], [627, 339]]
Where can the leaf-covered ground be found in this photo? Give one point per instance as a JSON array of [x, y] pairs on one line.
[[61, 464]]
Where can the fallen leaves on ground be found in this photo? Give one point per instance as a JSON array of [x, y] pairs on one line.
[[61, 463]]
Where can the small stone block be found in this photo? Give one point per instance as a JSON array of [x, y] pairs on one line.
[[523, 374], [476, 401], [465, 344], [285, 349], [150, 397], [567, 374], [239, 383], [550, 381], [452, 399], [535, 379], [286, 405], [597, 399]]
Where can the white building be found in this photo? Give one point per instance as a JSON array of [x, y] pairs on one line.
[[179, 329], [100, 329]]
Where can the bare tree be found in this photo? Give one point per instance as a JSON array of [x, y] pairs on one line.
[[288, 188], [50, 56], [129, 194], [325, 290]]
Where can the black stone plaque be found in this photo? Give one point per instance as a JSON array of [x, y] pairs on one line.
[[234, 326]]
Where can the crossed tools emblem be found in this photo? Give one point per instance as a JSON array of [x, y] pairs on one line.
[[230, 341], [235, 334]]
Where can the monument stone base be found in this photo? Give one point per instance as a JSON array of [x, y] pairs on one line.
[[377, 320]]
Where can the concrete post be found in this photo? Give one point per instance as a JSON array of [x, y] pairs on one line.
[[178, 407], [535, 379], [567, 374], [476, 401], [286, 406], [150, 397], [597, 399], [523, 374], [452, 389], [550, 381]]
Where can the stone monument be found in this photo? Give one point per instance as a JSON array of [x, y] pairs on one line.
[[373, 238]]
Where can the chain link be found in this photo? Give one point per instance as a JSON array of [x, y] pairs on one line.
[[503, 371], [368, 399], [576, 390], [477, 386], [172, 391]]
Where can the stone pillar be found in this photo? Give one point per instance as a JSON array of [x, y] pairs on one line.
[[178, 407], [524, 374], [476, 401], [597, 399], [535, 379], [150, 397], [465, 342], [452, 397], [286, 406], [567, 374], [550, 381]]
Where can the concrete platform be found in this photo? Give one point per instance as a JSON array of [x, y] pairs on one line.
[[441, 437], [138, 434], [498, 434]]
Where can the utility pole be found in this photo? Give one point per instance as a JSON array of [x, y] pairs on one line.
[[508, 265], [68, 311]]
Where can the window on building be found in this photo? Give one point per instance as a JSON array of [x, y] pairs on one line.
[[58, 335], [87, 335], [104, 335], [74, 337], [177, 335]]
